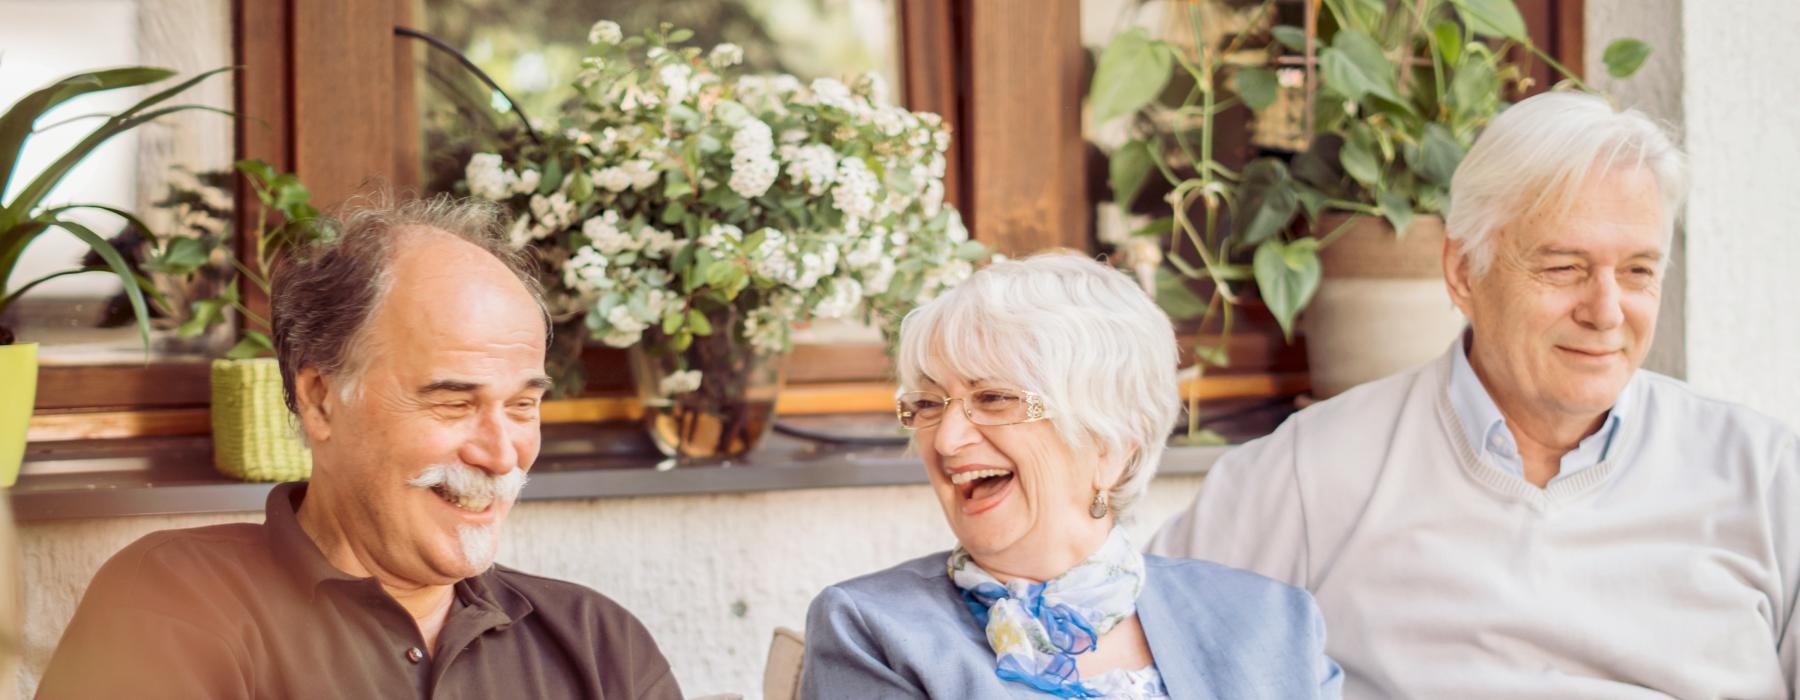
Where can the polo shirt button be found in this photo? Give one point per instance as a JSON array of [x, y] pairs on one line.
[[415, 655]]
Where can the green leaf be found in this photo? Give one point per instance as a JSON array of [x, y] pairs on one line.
[[1127, 169], [1217, 355], [27, 199], [1257, 86], [1625, 56], [1354, 66], [1290, 36], [206, 313], [16, 125], [680, 35], [1448, 38], [1499, 18], [1175, 298], [674, 213], [1439, 154], [1475, 87], [672, 322], [698, 322], [1287, 275], [1132, 72], [1358, 156], [119, 267], [1266, 201], [253, 344], [551, 177], [182, 256], [1397, 209]]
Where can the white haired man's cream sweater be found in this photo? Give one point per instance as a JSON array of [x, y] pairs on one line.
[[1668, 569]]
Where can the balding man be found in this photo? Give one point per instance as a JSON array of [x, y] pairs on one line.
[[1532, 515], [412, 351]]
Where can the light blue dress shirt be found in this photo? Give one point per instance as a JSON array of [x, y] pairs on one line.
[[1493, 441]]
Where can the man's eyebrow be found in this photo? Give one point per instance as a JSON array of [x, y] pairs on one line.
[[540, 382], [1551, 250], [449, 386]]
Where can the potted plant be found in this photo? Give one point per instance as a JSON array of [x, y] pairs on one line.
[[692, 213], [25, 216], [253, 438], [1352, 222]]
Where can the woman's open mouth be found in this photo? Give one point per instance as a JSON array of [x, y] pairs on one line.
[[981, 489]]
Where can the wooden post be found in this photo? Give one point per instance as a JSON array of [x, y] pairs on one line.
[[1027, 188]]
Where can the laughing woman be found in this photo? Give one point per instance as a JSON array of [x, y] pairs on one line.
[[1039, 394]]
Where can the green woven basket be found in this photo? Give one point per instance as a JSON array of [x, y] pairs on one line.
[[252, 438]]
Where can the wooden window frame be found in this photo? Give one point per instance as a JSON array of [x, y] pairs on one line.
[[320, 93]]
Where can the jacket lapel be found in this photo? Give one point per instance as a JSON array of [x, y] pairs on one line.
[[1176, 641]]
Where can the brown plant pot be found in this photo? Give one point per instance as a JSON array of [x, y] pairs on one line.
[[1381, 307]]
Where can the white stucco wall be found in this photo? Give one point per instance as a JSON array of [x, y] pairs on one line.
[[711, 576], [1742, 115]]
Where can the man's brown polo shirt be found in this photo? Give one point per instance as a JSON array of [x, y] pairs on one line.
[[255, 611]]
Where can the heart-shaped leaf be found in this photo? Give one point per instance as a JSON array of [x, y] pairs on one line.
[[1499, 18], [1358, 156], [1625, 56], [1132, 72], [1355, 66], [1126, 171], [1287, 275], [1257, 86], [1266, 201]]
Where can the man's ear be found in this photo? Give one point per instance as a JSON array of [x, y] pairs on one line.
[[313, 400], [1458, 278]]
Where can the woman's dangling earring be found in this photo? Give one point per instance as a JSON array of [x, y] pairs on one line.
[[1099, 508]]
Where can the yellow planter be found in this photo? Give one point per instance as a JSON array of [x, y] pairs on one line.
[[18, 392], [253, 439]]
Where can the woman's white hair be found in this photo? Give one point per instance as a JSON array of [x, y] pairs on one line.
[[1078, 333], [1534, 158]]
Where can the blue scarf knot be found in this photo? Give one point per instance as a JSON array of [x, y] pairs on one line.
[[1037, 629]]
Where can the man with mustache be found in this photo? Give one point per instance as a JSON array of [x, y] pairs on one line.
[[412, 352], [1532, 515]]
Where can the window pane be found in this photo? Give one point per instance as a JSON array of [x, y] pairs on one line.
[[173, 173]]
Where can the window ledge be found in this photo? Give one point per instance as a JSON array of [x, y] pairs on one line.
[[174, 475]]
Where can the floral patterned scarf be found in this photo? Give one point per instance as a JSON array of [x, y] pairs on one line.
[[1036, 629]]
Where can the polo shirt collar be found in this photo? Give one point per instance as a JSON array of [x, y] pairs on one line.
[[308, 568]]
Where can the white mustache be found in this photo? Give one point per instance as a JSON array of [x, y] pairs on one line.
[[470, 484]]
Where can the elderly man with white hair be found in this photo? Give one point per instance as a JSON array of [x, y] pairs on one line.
[[1532, 515]]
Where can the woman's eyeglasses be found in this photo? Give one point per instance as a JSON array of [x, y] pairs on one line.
[[989, 407]]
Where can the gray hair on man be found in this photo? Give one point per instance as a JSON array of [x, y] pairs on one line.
[[1080, 334], [1535, 156], [325, 294]]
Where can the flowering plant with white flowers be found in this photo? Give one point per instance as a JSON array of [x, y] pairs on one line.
[[684, 200]]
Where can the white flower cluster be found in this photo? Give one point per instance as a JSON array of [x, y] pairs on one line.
[[854, 194], [488, 178], [634, 174], [605, 32], [753, 166], [679, 382], [686, 186]]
